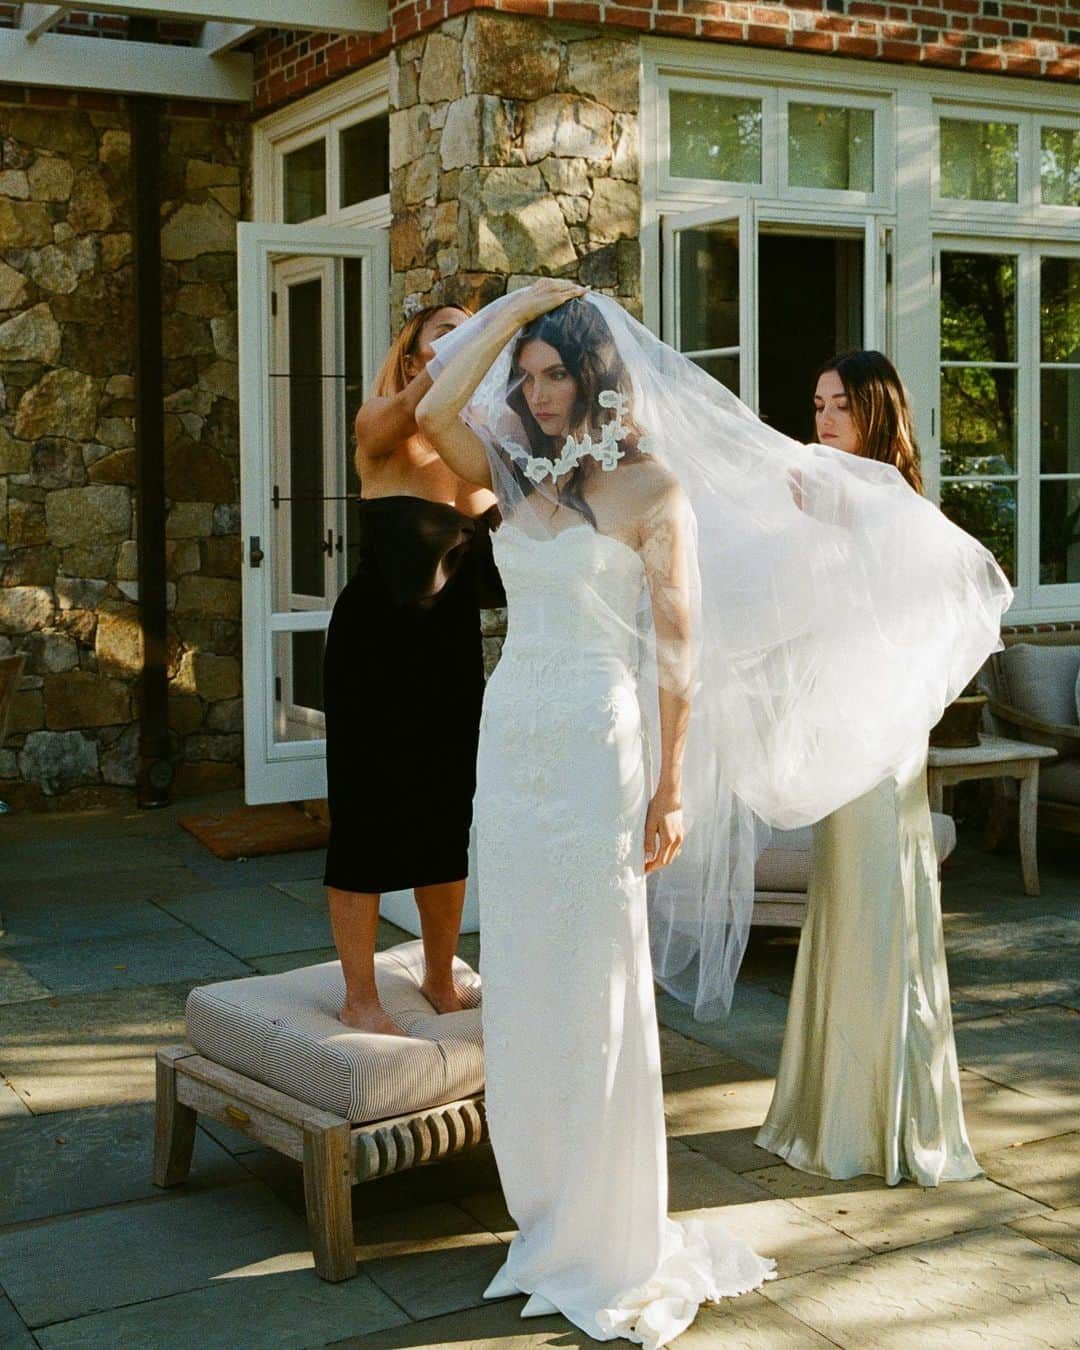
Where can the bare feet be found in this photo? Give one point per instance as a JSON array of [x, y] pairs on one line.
[[444, 997], [369, 1017]]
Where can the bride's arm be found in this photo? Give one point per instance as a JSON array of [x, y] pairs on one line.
[[438, 415], [663, 551]]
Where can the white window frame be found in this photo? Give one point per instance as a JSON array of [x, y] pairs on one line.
[[907, 214], [1026, 169], [322, 115]]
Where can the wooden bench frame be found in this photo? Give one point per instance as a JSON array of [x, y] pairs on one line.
[[336, 1154]]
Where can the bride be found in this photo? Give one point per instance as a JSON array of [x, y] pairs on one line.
[[665, 680]]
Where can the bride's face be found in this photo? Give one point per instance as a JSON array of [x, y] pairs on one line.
[[832, 416], [549, 388]]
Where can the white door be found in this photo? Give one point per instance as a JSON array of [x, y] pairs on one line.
[[313, 311], [761, 296]]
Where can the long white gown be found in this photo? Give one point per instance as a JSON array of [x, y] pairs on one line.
[[574, 1095]]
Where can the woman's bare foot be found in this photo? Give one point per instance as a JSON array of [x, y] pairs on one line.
[[444, 996], [370, 1017]]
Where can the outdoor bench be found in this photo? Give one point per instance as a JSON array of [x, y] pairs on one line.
[[269, 1058]]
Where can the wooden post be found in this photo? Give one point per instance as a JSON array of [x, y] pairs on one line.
[[174, 1130], [1029, 806], [328, 1176]]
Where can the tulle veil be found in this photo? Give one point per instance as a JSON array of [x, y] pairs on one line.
[[833, 612]]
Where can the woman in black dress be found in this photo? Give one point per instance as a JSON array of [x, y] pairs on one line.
[[403, 680]]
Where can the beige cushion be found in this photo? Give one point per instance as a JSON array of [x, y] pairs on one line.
[[283, 1031], [1042, 681], [1060, 782], [785, 864]]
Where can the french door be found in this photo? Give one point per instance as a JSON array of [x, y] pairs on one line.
[[313, 309], [761, 296]]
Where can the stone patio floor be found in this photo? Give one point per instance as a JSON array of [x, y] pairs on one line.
[[109, 919]]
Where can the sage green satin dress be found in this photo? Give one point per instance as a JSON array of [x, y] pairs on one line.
[[868, 1078]]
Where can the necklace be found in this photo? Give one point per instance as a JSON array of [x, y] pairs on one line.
[[605, 450]]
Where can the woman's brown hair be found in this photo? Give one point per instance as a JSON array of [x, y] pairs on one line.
[[879, 407], [393, 375]]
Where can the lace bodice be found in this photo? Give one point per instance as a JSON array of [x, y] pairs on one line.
[[573, 594]]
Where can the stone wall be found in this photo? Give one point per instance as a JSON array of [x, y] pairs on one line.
[[67, 461], [513, 153]]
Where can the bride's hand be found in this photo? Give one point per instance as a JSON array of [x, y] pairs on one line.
[[547, 293], [664, 831]]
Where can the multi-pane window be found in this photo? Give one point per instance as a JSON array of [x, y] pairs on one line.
[[978, 398], [1059, 420], [765, 141], [346, 165], [1059, 166]]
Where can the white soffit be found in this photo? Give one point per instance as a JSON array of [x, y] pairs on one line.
[[212, 70]]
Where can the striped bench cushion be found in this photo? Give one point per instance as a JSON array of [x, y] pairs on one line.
[[283, 1031]]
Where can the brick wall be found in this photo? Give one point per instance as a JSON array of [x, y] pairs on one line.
[[1000, 36]]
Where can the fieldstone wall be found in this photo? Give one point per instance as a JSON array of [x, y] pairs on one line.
[[67, 461], [513, 154]]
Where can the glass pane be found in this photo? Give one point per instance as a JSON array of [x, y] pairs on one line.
[[1059, 532], [1059, 417], [979, 160], [830, 147], [978, 307], [1060, 167], [1060, 309], [305, 183], [988, 511], [306, 488], [978, 415], [365, 160], [722, 368], [297, 686], [714, 136], [709, 287]]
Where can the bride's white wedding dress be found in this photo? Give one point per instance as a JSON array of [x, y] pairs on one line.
[[574, 1094]]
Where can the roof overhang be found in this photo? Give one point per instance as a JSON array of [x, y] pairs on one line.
[[35, 53]]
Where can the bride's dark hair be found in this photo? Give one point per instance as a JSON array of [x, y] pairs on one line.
[[581, 336]]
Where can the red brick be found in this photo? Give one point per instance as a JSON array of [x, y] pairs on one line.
[[865, 11], [901, 51], [576, 13], [961, 6], [994, 27], [1063, 70], [1019, 12], [831, 23], [1022, 65], [1019, 47], [678, 25], [720, 30], [929, 18], [984, 61], [857, 46], [771, 16], [814, 42], [942, 56], [901, 32], [759, 35]]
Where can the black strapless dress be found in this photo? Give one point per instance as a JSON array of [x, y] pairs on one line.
[[403, 681]]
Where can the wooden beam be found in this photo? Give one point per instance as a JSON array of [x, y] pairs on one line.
[[355, 16], [70, 62], [216, 38], [37, 19]]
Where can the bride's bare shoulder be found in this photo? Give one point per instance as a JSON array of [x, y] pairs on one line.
[[653, 487]]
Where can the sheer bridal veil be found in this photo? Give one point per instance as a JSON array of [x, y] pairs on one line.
[[832, 611]]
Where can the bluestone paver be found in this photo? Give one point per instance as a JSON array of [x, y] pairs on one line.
[[1059, 1230], [75, 916], [66, 1161], [252, 920], [1046, 1169], [108, 1258], [985, 1290], [1035, 1050], [93, 965]]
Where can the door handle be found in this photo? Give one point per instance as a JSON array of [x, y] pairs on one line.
[[255, 553], [328, 547]]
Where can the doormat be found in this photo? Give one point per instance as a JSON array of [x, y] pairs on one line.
[[254, 831]]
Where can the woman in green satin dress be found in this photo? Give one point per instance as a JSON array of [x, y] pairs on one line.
[[868, 1079]]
